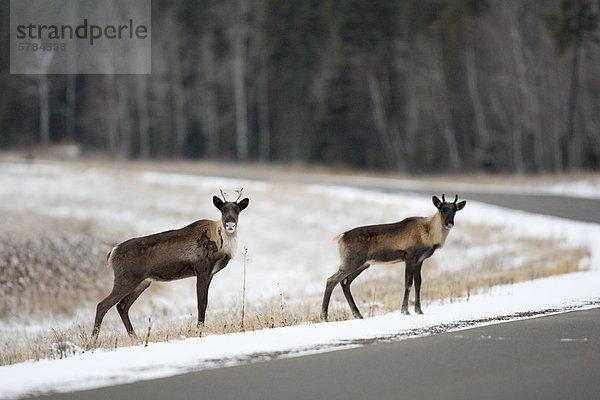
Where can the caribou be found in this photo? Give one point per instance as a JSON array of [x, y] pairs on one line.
[[200, 249], [411, 240]]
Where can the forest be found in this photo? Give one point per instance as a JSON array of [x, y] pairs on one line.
[[429, 86]]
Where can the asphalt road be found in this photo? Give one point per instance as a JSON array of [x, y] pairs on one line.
[[575, 208], [578, 209], [554, 357]]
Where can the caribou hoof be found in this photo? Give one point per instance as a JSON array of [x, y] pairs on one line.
[[405, 311]]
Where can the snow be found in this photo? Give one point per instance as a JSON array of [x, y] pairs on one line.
[[104, 367], [585, 188], [298, 271]]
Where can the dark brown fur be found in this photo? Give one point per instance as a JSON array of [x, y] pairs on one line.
[[200, 249], [411, 240]]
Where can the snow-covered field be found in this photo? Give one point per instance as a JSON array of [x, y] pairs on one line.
[[287, 230]]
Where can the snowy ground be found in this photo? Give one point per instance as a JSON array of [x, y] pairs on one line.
[[287, 253], [585, 186], [104, 368]]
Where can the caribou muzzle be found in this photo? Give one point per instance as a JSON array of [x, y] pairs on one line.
[[230, 226]]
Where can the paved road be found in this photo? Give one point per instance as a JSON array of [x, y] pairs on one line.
[[579, 209], [555, 357], [574, 208]]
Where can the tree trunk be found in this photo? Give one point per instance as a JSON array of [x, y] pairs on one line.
[[124, 117], [571, 136], [44, 94], [209, 113], [70, 114], [390, 136], [558, 149], [141, 92], [43, 91], [112, 116], [480, 120], [521, 112], [264, 128], [240, 36], [71, 90], [178, 103], [447, 121]]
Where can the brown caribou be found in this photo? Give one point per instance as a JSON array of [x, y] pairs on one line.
[[200, 249], [411, 240]]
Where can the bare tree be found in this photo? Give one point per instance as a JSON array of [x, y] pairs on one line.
[[124, 116], [44, 94], [447, 129], [44, 59], [262, 86], [141, 94], [387, 129], [71, 86], [474, 92], [520, 113], [210, 117], [178, 102], [112, 116], [239, 37]]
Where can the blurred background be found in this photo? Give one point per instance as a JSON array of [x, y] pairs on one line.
[[430, 86]]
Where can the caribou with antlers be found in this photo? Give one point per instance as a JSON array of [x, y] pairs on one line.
[[411, 240], [200, 249]]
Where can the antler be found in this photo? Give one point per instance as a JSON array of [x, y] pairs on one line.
[[239, 192], [444, 197], [455, 199]]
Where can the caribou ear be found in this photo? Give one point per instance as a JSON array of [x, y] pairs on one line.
[[243, 204], [461, 205], [436, 202], [218, 202]]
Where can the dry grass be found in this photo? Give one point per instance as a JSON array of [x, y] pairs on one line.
[[50, 275], [383, 295], [60, 343], [378, 294], [45, 277]]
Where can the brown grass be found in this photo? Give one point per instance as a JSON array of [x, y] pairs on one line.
[[50, 276], [45, 277], [384, 295], [375, 296], [33, 287]]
